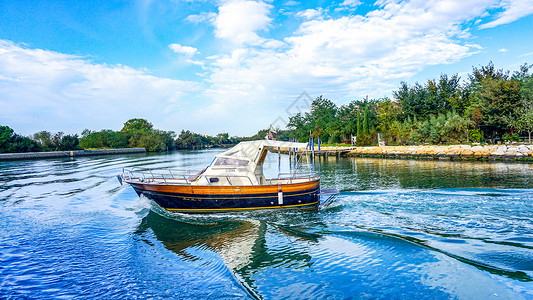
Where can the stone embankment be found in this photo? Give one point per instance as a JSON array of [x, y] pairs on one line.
[[460, 152], [59, 154]]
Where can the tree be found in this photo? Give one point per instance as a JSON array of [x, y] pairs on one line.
[[85, 132], [299, 125], [323, 113], [359, 125], [433, 98], [69, 142], [189, 140], [223, 138], [56, 141], [45, 139], [366, 130], [525, 110], [10, 142], [499, 98], [347, 116], [320, 122], [6, 135], [137, 124]]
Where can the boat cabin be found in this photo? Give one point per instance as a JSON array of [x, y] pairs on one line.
[[240, 165]]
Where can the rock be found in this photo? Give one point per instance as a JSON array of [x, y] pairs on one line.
[[523, 149], [467, 153], [501, 150], [511, 152]]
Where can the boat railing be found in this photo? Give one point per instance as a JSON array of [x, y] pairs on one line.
[[290, 177], [148, 175], [186, 177]]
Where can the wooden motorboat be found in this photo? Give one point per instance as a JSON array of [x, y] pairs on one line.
[[234, 181]]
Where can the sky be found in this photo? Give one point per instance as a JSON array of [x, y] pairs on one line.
[[235, 66]]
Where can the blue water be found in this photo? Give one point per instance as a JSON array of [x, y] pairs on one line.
[[401, 229]]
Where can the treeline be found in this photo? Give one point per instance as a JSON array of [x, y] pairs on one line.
[[140, 133], [135, 133], [11, 142], [491, 105]]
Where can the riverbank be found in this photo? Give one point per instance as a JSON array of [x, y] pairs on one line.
[[459, 152], [76, 153], [451, 152]]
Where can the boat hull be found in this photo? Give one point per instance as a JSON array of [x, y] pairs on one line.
[[209, 199]]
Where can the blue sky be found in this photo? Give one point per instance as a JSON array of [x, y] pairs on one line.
[[235, 66]]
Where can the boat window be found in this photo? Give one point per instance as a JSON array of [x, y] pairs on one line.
[[225, 161]]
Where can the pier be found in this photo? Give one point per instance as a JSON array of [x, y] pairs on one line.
[[60, 154], [324, 151]]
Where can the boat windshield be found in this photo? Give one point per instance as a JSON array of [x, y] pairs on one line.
[[226, 161]]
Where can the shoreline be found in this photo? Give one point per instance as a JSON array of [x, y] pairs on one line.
[[522, 153], [63, 154]]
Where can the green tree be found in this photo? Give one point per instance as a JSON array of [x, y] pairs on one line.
[[190, 140], [366, 130], [359, 124], [499, 98], [45, 139], [137, 124], [475, 135], [69, 142], [299, 125], [223, 138], [433, 98], [10, 142], [320, 122], [322, 115], [6, 135], [524, 122]]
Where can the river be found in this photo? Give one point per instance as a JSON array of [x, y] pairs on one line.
[[401, 229]]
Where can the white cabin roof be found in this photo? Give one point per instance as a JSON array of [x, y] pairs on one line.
[[253, 150], [244, 162]]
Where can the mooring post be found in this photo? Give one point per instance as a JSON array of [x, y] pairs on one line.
[[279, 162]]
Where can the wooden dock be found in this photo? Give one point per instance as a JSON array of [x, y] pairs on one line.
[[62, 154], [324, 151]]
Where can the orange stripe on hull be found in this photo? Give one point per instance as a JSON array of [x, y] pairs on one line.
[[226, 190]]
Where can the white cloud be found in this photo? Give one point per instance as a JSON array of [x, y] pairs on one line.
[[503, 50], [186, 50], [252, 83], [202, 17], [512, 11], [351, 3], [240, 20], [195, 62], [351, 56], [45, 90], [311, 13]]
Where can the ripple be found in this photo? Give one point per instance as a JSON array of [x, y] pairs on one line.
[[400, 229]]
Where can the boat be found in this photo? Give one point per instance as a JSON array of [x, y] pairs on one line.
[[234, 181]]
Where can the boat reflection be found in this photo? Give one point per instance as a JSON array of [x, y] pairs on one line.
[[246, 245]]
